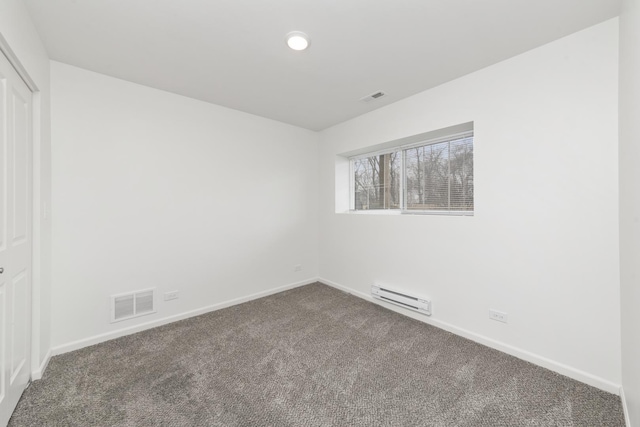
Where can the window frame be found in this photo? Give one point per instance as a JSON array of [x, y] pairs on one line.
[[402, 150]]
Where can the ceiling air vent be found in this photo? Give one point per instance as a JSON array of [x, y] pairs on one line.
[[134, 304], [373, 96]]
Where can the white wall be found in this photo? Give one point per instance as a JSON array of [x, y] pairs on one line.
[[18, 30], [543, 244], [158, 190], [630, 203]]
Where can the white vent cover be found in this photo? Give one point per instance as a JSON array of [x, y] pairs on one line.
[[412, 302], [373, 96], [134, 304]]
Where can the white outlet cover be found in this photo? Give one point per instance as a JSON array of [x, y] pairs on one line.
[[498, 315], [168, 296]]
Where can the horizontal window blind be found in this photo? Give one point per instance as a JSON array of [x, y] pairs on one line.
[[434, 176], [440, 176], [413, 144]]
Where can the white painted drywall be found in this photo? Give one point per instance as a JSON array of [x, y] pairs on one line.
[[18, 30], [630, 203], [543, 243], [158, 190]]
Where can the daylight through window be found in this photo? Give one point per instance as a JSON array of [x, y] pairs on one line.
[[427, 177]]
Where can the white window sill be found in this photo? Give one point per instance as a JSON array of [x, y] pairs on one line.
[[401, 212]]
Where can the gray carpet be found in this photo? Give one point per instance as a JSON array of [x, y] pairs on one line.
[[311, 356]]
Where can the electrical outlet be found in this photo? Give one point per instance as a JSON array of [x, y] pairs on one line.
[[297, 268], [168, 296], [498, 315]]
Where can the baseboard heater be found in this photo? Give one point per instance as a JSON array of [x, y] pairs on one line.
[[402, 299]]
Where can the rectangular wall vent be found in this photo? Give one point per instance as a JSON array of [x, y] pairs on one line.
[[134, 304], [412, 302], [373, 96]]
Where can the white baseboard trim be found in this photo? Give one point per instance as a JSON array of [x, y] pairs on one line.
[[552, 365], [38, 373], [625, 409], [96, 339]]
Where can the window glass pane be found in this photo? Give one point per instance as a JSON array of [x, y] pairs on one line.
[[377, 182], [439, 177], [428, 177], [461, 161]]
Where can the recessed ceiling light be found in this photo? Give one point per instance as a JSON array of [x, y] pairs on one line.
[[297, 40]]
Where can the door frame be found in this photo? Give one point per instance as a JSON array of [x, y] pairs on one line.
[[36, 365]]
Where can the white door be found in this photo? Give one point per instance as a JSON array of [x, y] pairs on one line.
[[15, 238]]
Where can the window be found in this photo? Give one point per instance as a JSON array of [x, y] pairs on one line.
[[377, 181], [431, 176]]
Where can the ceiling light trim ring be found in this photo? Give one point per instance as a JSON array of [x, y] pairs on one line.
[[297, 40]]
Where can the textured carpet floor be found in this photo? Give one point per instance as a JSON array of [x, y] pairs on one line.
[[311, 356]]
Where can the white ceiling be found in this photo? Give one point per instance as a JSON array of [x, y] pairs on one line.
[[233, 52]]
